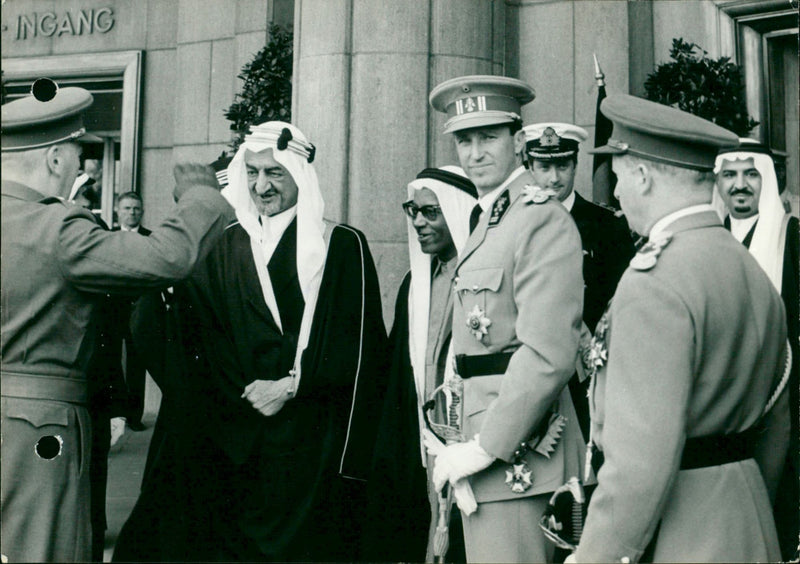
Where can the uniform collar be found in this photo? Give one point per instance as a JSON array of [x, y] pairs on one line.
[[662, 224], [487, 200], [569, 201], [21, 191]]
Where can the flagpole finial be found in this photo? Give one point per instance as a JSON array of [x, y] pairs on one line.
[[598, 72]]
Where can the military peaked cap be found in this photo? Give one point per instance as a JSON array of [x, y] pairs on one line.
[[480, 100], [50, 115], [663, 134]]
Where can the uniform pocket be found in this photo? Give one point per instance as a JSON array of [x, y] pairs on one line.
[[39, 413], [476, 281]]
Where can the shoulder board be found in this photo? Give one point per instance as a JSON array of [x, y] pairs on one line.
[[499, 209], [647, 257], [233, 223]]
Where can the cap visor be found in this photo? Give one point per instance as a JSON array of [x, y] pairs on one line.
[[607, 150], [89, 138], [475, 120]]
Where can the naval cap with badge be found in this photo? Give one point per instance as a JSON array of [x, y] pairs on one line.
[[553, 141], [663, 134], [480, 100], [50, 115]]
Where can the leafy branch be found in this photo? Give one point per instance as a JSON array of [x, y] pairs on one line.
[[711, 89]]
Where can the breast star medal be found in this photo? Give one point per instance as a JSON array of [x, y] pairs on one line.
[[478, 323]]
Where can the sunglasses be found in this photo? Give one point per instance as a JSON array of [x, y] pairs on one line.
[[431, 213]]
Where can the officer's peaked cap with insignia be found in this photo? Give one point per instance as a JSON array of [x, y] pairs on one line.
[[480, 100], [550, 141], [662, 133], [48, 116]]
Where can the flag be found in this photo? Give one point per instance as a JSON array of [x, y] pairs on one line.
[[603, 178]]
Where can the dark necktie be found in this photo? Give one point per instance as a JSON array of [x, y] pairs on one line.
[[474, 217]]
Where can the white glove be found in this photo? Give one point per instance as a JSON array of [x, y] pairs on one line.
[[117, 429], [462, 490], [570, 559]]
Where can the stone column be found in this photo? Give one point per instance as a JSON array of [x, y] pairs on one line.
[[363, 72]]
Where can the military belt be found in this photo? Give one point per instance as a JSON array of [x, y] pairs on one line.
[[716, 450], [468, 366], [54, 388]]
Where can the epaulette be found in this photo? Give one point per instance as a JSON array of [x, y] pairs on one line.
[[232, 224], [499, 209], [647, 257], [536, 194]]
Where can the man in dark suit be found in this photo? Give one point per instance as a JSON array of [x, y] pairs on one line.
[[130, 210], [552, 157], [747, 185]]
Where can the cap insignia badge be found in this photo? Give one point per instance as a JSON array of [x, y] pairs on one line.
[[536, 194], [647, 257], [499, 208], [549, 138], [478, 322]]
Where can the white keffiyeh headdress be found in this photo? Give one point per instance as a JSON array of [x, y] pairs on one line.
[[456, 204], [768, 238], [291, 150]]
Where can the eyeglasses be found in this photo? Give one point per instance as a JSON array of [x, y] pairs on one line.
[[431, 213]]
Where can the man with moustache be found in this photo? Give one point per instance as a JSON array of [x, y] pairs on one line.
[[747, 186], [282, 344], [518, 298]]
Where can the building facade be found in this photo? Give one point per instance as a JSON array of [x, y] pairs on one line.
[[164, 71]]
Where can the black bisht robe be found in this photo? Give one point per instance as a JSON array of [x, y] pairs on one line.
[[398, 510], [224, 482]]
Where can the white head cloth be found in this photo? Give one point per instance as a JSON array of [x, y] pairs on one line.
[[769, 235], [456, 207], [311, 248], [79, 182]]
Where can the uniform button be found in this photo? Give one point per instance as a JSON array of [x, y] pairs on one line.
[[455, 280], [625, 560], [475, 288]]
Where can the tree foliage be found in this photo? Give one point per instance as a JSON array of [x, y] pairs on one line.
[[267, 91], [711, 89]]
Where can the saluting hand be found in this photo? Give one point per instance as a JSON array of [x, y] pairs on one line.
[[268, 396], [188, 175]]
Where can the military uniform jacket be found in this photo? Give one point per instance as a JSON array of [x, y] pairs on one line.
[[520, 272], [694, 348], [607, 249], [55, 254]]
